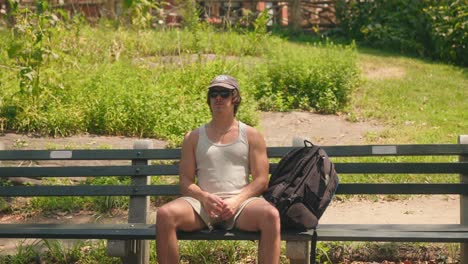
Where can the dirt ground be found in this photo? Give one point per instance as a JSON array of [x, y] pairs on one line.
[[279, 129]]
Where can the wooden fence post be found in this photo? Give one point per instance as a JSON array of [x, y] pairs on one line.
[[298, 252], [463, 139], [138, 250]]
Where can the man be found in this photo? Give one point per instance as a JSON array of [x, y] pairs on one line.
[[221, 154]]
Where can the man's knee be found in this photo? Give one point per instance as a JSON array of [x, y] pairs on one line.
[[271, 217], [273, 214], [164, 216]]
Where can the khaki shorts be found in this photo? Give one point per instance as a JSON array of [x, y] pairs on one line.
[[212, 223]]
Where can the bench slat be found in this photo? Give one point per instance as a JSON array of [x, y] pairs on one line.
[[403, 188], [89, 190], [372, 150], [398, 168], [82, 171], [126, 231], [401, 150], [408, 233], [95, 154], [155, 170], [163, 154], [395, 168], [173, 190], [391, 236], [397, 227]]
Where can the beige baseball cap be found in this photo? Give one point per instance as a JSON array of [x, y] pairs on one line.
[[225, 81]]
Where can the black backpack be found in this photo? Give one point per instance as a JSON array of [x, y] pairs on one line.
[[301, 188]]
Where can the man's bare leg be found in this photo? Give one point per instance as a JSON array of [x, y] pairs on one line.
[[259, 215], [173, 216]]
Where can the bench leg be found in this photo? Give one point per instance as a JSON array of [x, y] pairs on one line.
[[463, 139], [138, 252], [129, 251], [117, 248], [298, 252]]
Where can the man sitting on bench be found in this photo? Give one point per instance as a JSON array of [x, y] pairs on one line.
[[221, 154]]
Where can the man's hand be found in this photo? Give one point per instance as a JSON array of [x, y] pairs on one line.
[[213, 205], [229, 209]]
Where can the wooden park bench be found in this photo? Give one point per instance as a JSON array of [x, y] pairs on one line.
[[130, 240]]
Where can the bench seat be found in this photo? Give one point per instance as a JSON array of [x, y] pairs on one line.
[[326, 232]]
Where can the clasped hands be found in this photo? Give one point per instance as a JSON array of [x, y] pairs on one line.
[[218, 208]]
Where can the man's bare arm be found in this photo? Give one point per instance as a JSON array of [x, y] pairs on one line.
[[258, 168], [258, 164], [187, 167]]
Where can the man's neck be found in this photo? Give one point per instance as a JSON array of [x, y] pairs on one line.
[[222, 122]]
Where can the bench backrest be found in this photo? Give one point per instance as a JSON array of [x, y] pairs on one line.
[[143, 165]]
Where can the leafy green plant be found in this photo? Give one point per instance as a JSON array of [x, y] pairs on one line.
[[31, 47], [105, 204], [427, 28], [54, 251], [142, 13], [24, 253], [258, 34], [398, 25], [449, 27], [63, 204], [322, 252], [190, 14], [59, 253], [216, 251], [4, 206], [307, 78]]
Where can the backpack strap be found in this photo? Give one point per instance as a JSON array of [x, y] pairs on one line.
[[307, 143], [313, 248]]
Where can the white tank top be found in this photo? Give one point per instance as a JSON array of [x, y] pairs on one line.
[[223, 169]]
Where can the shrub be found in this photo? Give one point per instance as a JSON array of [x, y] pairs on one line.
[[398, 25], [429, 28], [319, 77], [449, 30]]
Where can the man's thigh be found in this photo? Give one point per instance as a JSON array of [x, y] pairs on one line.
[[253, 214], [183, 215]]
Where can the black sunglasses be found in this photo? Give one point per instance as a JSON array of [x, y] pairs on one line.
[[223, 93]]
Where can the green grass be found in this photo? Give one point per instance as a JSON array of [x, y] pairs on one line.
[[425, 104], [417, 101]]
